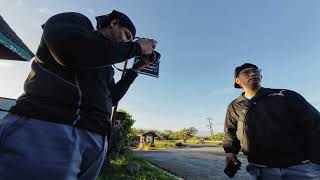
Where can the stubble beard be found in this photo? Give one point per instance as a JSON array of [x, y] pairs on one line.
[[255, 86]]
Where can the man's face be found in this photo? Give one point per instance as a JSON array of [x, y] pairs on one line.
[[120, 33], [116, 32], [249, 78]]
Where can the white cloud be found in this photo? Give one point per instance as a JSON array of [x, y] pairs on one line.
[[5, 64], [91, 11], [45, 11], [20, 3]]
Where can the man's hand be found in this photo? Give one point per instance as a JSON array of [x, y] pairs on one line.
[[144, 60], [232, 165], [147, 45], [233, 158]]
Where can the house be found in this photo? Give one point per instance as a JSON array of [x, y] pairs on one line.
[[147, 139]]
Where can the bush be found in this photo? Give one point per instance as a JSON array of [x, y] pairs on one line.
[[194, 138], [165, 144], [147, 146], [133, 144], [120, 136]]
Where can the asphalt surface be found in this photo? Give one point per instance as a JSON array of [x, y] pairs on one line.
[[194, 162]]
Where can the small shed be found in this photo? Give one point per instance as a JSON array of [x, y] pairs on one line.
[[147, 139]]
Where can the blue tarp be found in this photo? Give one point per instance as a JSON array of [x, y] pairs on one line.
[[11, 46]]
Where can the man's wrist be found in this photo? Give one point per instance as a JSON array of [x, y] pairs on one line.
[[139, 48], [132, 71], [135, 70]]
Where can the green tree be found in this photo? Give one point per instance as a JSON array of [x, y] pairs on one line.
[[164, 135], [175, 135], [217, 137], [121, 136], [187, 133], [134, 134]]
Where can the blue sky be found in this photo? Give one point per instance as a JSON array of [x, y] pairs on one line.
[[201, 43]]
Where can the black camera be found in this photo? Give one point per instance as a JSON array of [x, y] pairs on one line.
[[157, 56], [232, 169], [154, 57]]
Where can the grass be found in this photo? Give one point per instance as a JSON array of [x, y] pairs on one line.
[[134, 167], [206, 142], [167, 144]]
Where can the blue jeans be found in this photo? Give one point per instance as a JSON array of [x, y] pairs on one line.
[[309, 171], [32, 149]]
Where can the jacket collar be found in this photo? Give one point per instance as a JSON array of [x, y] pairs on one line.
[[262, 92]]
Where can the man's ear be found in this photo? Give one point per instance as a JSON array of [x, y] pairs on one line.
[[114, 23], [237, 80]]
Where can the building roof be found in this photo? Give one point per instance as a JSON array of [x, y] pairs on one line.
[[149, 133], [6, 103], [11, 46]]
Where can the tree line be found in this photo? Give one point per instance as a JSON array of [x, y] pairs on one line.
[[183, 134]]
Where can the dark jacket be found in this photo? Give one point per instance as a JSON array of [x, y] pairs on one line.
[[276, 128], [71, 79]]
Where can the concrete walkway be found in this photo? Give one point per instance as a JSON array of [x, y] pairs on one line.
[[194, 162]]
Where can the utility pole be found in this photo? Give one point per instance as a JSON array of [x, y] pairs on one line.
[[210, 119]]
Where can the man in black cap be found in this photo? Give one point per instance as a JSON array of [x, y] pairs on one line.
[[277, 129], [58, 127]]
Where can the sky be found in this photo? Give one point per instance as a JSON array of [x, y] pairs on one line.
[[201, 42]]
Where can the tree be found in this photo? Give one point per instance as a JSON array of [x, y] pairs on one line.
[[165, 135], [134, 134], [218, 137], [121, 136], [187, 133]]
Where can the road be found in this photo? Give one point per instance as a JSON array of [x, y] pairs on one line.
[[194, 162]]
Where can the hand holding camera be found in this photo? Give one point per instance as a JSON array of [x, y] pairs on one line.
[[149, 55], [232, 165], [147, 45], [146, 59]]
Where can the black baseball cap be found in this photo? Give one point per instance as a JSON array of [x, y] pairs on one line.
[[104, 21], [240, 68]]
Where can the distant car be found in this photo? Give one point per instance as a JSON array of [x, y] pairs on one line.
[[5, 104]]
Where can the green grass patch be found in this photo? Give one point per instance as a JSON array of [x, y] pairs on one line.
[[167, 144], [134, 167], [206, 142]]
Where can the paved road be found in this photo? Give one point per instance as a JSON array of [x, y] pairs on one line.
[[194, 162]]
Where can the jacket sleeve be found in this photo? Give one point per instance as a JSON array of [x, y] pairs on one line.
[[119, 89], [74, 44], [231, 143], [310, 122]]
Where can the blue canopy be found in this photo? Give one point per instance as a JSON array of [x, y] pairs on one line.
[[11, 46]]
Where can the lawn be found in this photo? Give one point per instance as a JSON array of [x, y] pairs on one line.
[[133, 167]]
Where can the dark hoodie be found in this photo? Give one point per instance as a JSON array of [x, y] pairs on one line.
[[71, 79]]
